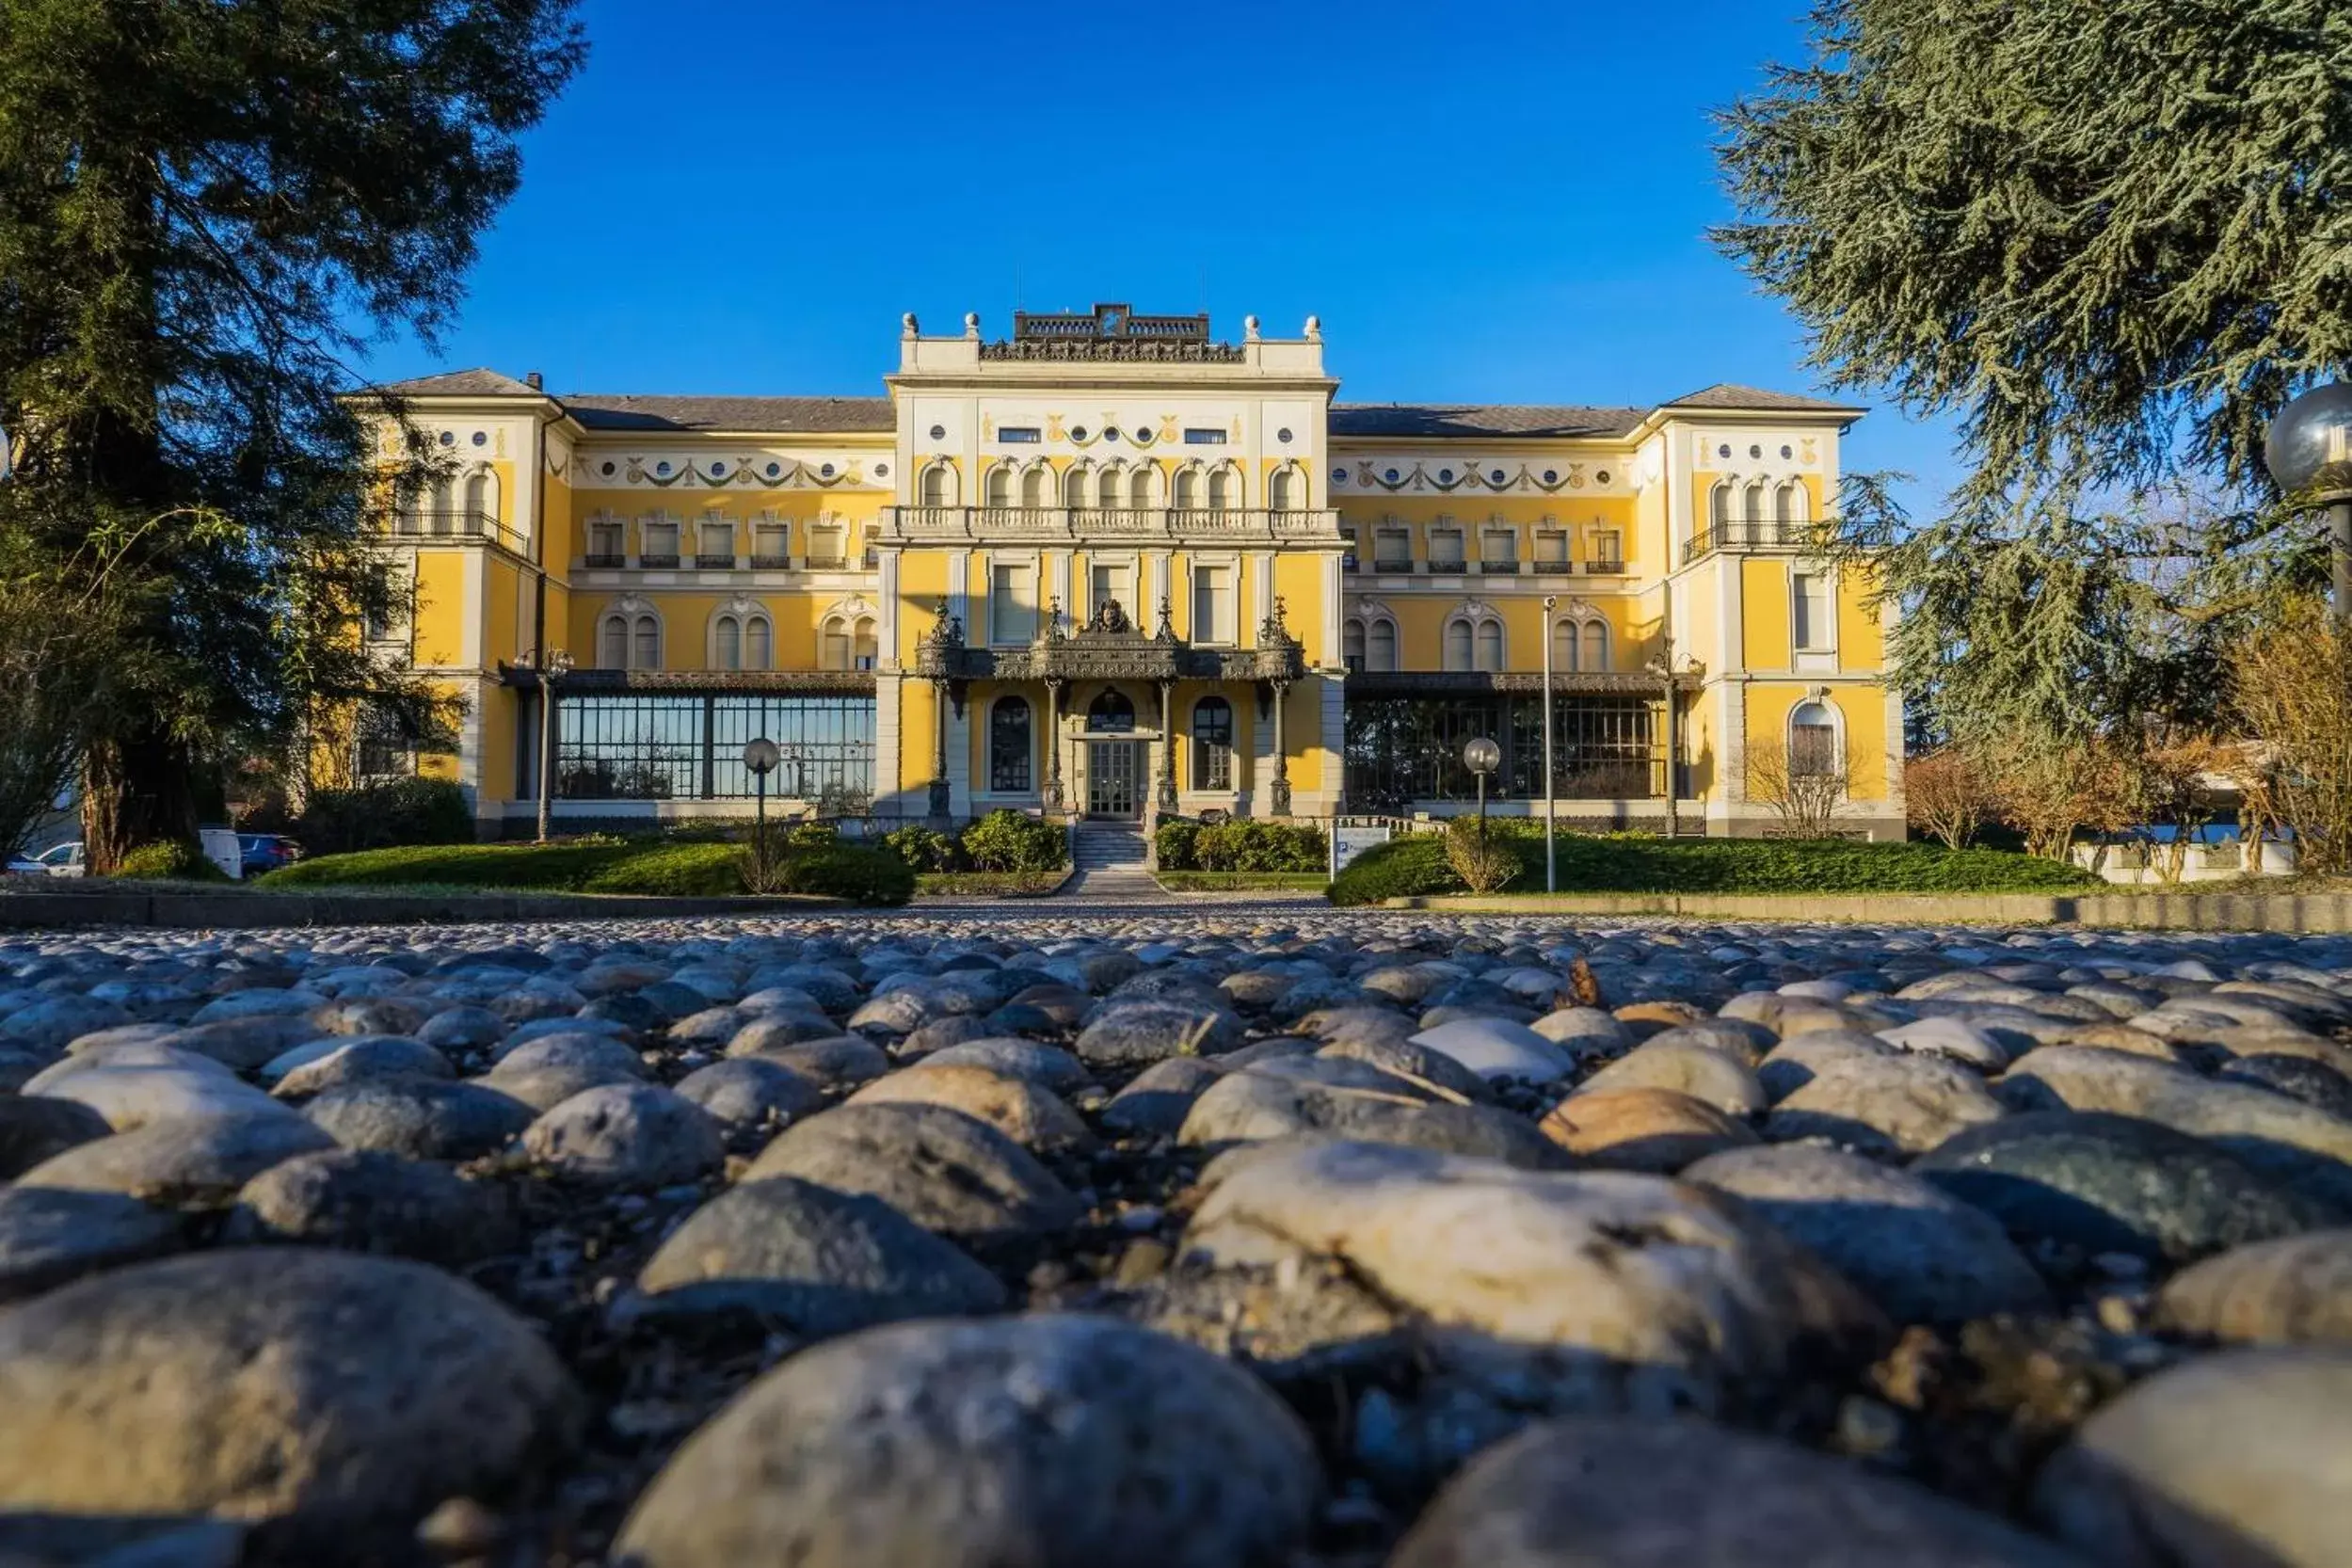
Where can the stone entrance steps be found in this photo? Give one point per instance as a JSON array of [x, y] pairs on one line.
[[1109, 859]]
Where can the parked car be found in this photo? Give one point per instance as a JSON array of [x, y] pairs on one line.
[[266, 851], [61, 860]]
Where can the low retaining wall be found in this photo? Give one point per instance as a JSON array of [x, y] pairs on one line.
[[2306, 913], [203, 910]]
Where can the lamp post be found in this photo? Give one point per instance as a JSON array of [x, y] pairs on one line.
[[550, 670], [1551, 819], [1481, 756], [760, 757], [1663, 667], [2309, 451]]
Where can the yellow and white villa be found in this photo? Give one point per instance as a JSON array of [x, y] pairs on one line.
[[1113, 566]]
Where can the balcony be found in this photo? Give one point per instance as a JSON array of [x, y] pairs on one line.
[[1500, 569], [711, 562], [771, 563], [1752, 536], [657, 563], [603, 560], [1447, 569], [915, 524], [1605, 568], [454, 527], [1403, 567], [827, 563]]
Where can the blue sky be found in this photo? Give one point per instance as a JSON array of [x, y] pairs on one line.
[[1502, 203]]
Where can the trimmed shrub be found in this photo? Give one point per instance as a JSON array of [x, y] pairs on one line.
[[849, 872], [386, 815], [171, 861], [1484, 863], [1260, 846], [669, 871], [1174, 843], [1009, 841], [1631, 863], [923, 849]]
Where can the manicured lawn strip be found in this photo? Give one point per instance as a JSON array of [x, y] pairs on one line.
[[1416, 867], [673, 869], [988, 884], [1242, 882]]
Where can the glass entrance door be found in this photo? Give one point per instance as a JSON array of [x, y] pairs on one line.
[[1113, 770]]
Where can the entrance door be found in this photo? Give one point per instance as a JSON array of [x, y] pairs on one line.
[[1113, 769]]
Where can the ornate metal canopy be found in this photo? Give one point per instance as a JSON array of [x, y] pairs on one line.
[[1111, 647]]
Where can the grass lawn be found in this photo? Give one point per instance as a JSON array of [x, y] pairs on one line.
[[988, 884], [674, 869], [1242, 882], [1593, 863]]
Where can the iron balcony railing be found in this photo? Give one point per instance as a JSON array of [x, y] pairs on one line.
[[665, 561], [465, 526], [771, 563], [1319, 526], [711, 560], [1612, 568], [1404, 565], [1750, 536], [603, 560]]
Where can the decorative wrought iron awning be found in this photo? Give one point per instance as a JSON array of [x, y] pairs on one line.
[[593, 682], [1487, 682], [1109, 649]]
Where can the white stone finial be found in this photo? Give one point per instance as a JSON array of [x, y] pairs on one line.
[[971, 324], [907, 324], [1314, 328], [1249, 329]]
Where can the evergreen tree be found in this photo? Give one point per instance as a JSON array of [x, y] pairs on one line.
[[206, 206], [2113, 235]]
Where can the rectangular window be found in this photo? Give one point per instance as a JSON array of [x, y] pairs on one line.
[[716, 547], [1609, 550], [1012, 603], [692, 748], [1212, 605], [1392, 550], [825, 543], [1194, 436], [1444, 550], [1551, 550], [661, 544], [1105, 583], [1020, 435], [771, 545], [1812, 623], [1499, 550]]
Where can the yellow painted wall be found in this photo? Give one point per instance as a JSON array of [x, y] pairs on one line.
[[441, 607], [1863, 711], [1764, 613], [507, 633], [1298, 582], [499, 708], [1860, 637]]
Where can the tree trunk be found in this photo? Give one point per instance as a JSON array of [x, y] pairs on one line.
[[136, 789]]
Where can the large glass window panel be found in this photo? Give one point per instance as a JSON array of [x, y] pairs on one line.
[[1382, 652], [648, 645], [1212, 605], [1009, 747], [1457, 645], [730, 643], [1595, 646], [1213, 744], [1491, 645], [1812, 596], [1012, 603], [760, 644]]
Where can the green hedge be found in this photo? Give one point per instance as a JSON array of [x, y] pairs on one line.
[[601, 866], [170, 861], [1241, 846], [1010, 840], [382, 816], [1416, 867]]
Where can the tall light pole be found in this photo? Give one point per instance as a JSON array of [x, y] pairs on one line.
[[1663, 667], [550, 670], [2309, 453], [1551, 819]]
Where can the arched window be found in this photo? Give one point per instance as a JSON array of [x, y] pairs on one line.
[[759, 644], [1000, 484], [481, 497], [730, 643], [1720, 506], [1187, 489], [1563, 644], [1074, 493], [1755, 509], [1281, 495], [936, 482], [1219, 488], [1112, 712], [1142, 492], [1595, 644], [1107, 490], [612, 652], [1009, 747], [1458, 645], [833, 643], [1813, 748], [1383, 652], [1213, 744], [1792, 502], [648, 654], [867, 650], [1351, 644], [1033, 480], [1490, 645]]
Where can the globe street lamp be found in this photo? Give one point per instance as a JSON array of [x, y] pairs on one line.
[[1551, 818], [760, 757], [554, 669], [2309, 453], [1481, 756]]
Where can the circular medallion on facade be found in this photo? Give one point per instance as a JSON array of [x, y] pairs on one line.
[[1602, 476], [449, 437], [882, 471], [1078, 433], [1551, 476], [1111, 432], [939, 432], [1495, 477], [1722, 450], [1786, 454], [1283, 435], [662, 467], [718, 471], [827, 471], [1444, 477], [608, 471], [1338, 476], [1756, 452], [1391, 476], [481, 437], [775, 469]]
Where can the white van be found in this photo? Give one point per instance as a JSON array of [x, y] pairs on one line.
[[221, 848]]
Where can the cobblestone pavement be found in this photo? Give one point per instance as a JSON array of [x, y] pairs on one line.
[[1252, 1233]]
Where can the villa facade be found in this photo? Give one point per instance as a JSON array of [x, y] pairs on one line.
[[1110, 565]]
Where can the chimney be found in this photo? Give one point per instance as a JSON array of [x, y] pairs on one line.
[[536, 385]]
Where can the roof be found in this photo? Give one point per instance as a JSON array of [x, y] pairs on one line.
[[1480, 419], [462, 383], [1723, 395], [832, 415]]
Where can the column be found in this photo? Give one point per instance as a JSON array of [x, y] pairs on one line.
[[1281, 786], [939, 803], [1053, 744], [1168, 804]]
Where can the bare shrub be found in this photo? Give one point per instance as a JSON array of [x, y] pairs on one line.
[[1947, 795], [2050, 788], [1484, 861], [1805, 791], [2294, 684]]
